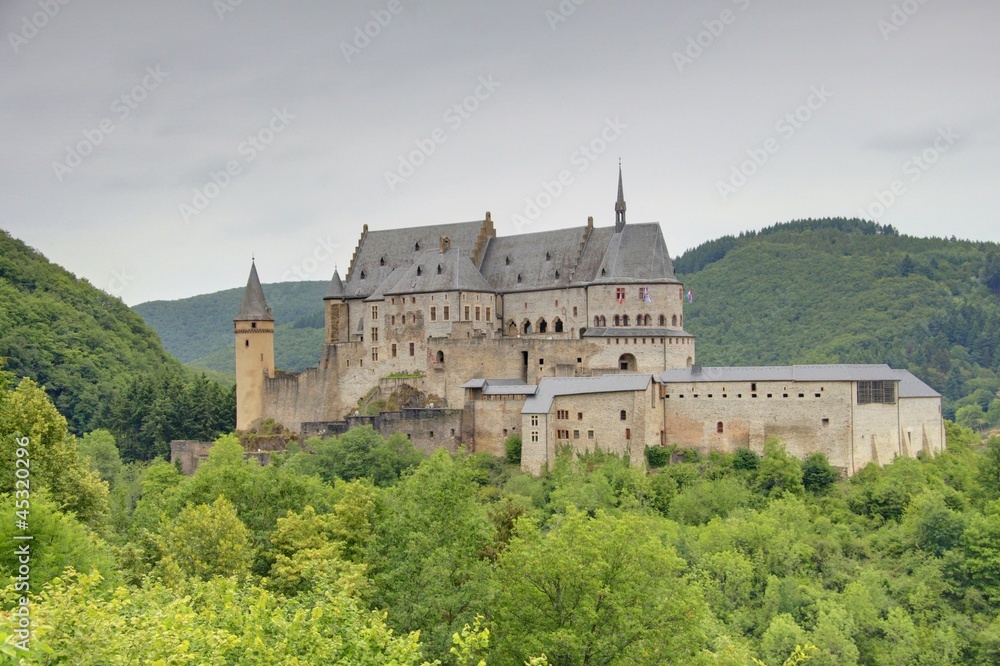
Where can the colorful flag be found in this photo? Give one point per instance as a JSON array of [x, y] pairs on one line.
[[690, 296], [645, 295]]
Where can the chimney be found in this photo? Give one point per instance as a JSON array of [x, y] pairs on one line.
[[445, 244]]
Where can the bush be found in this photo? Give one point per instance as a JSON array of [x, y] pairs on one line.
[[512, 449], [745, 459], [817, 473], [657, 456]]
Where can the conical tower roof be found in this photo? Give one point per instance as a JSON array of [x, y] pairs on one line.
[[336, 289], [254, 307]]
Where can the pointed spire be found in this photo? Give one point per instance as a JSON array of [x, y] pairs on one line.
[[336, 289], [620, 204], [254, 307]]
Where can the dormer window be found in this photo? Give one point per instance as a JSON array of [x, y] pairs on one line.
[[381, 262], [518, 278], [603, 272], [416, 246], [439, 269], [557, 275], [548, 256], [362, 275], [420, 271], [506, 261]]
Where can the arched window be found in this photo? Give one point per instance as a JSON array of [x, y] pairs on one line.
[[690, 362], [673, 321], [647, 320], [624, 320], [604, 320], [663, 320], [526, 327], [512, 327], [719, 427], [440, 356], [618, 320], [543, 326], [638, 320], [557, 325], [627, 362], [597, 321]]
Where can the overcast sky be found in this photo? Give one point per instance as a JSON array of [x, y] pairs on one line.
[[317, 117]]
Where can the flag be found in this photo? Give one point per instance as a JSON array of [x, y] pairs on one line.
[[621, 299], [645, 295], [690, 296]]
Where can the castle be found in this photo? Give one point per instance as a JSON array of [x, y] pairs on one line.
[[569, 337]]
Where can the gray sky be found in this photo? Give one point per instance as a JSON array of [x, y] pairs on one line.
[[727, 114]]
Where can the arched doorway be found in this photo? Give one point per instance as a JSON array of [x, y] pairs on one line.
[[526, 327], [557, 325], [627, 362], [440, 356], [543, 326]]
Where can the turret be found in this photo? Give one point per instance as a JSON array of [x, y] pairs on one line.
[[335, 311], [620, 204], [254, 328]]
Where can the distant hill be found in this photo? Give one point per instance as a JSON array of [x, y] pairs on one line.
[[849, 291], [93, 355], [199, 330]]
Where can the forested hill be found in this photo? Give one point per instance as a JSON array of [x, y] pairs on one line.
[[850, 291], [100, 363], [199, 330]]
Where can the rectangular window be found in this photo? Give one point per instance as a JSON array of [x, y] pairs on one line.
[[478, 313], [579, 416], [534, 420], [446, 313], [576, 434], [466, 313], [534, 435], [489, 314], [434, 313], [394, 350], [411, 349], [393, 320], [623, 415], [375, 353], [590, 434], [374, 334], [375, 312], [877, 392], [562, 414], [628, 433], [620, 294], [574, 310]]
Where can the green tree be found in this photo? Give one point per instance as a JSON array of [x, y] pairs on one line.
[[817, 472], [512, 449], [428, 555], [595, 591], [205, 541], [98, 448], [778, 472]]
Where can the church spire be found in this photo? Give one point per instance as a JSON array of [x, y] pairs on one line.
[[254, 307], [620, 204]]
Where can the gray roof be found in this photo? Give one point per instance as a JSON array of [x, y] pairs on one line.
[[637, 253], [501, 386], [253, 306], [529, 262], [911, 387], [550, 387], [797, 373], [336, 289], [383, 251], [635, 332], [435, 271]]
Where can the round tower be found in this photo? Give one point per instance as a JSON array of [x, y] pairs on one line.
[[254, 328]]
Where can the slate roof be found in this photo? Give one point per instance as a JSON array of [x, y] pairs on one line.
[[635, 332], [435, 271], [550, 387], [254, 306], [909, 385], [336, 289], [383, 251], [637, 253], [542, 260]]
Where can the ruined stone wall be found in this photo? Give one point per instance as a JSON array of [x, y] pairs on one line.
[[428, 429]]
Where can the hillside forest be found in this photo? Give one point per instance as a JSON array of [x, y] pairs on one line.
[[361, 550]]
